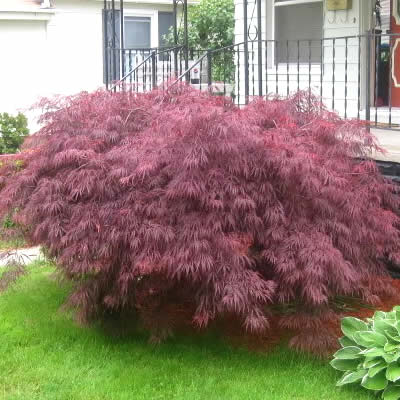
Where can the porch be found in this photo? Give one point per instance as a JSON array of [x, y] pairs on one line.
[[354, 75], [343, 82]]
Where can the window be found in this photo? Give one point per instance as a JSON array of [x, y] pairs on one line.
[[165, 22], [298, 30], [137, 32]]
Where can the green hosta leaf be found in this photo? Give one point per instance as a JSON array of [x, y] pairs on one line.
[[391, 346], [397, 314], [346, 342], [396, 311], [371, 362], [393, 372], [352, 377], [395, 337], [383, 326], [377, 368], [379, 315], [392, 392], [345, 365], [374, 352], [391, 315], [351, 325], [348, 353], [377, 382], [370, 339], [389, 358]]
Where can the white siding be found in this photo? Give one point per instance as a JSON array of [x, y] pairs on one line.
[[334, 77], [63, 55], [23, 65]]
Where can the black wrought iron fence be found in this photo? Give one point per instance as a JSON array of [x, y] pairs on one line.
[[356, 76], [142, 70]]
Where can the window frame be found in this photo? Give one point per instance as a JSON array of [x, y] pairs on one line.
[[130, 18], [153, 15], [271, 34], [158, 23], [294, 2]]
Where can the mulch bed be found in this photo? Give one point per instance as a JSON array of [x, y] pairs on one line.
[[327, 337]]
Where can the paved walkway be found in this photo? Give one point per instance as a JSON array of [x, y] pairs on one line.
[[23, 256], [390, 141]]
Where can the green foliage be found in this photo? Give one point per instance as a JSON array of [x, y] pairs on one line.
[[11, 233], [8, 222], [370, 353], [211, 25], [223, 66], [13, 131]]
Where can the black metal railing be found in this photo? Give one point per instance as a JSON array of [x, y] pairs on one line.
[[352, 75], [145, 69]]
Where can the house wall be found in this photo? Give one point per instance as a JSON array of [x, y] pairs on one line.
[[340, 71], [23, 58], [59, 56]]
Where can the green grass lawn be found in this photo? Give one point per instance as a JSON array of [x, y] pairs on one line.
[[46, 355]]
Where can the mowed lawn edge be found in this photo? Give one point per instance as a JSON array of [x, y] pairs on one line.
[[45, 355]]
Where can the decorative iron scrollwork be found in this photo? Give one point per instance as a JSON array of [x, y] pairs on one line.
[[181, 25], [253, 29]]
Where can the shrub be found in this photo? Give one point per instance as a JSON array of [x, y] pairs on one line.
[[370, 353], [179, 203], [13, 131], [11, 233]]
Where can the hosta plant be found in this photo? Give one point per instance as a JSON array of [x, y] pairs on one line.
[[370, 353]]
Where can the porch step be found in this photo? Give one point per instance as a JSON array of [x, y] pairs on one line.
[[216, 87], [389, 140]]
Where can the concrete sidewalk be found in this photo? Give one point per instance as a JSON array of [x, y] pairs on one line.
[[390, 141], [21, 256]]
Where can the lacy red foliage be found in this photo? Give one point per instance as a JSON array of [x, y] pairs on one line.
[[173, 203]]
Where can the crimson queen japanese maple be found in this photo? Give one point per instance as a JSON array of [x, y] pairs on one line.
[[167, 201]]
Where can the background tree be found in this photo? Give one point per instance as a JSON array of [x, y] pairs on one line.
[[211, 25], [13, 131]]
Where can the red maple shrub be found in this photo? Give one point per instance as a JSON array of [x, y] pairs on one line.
[[178, 203]]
